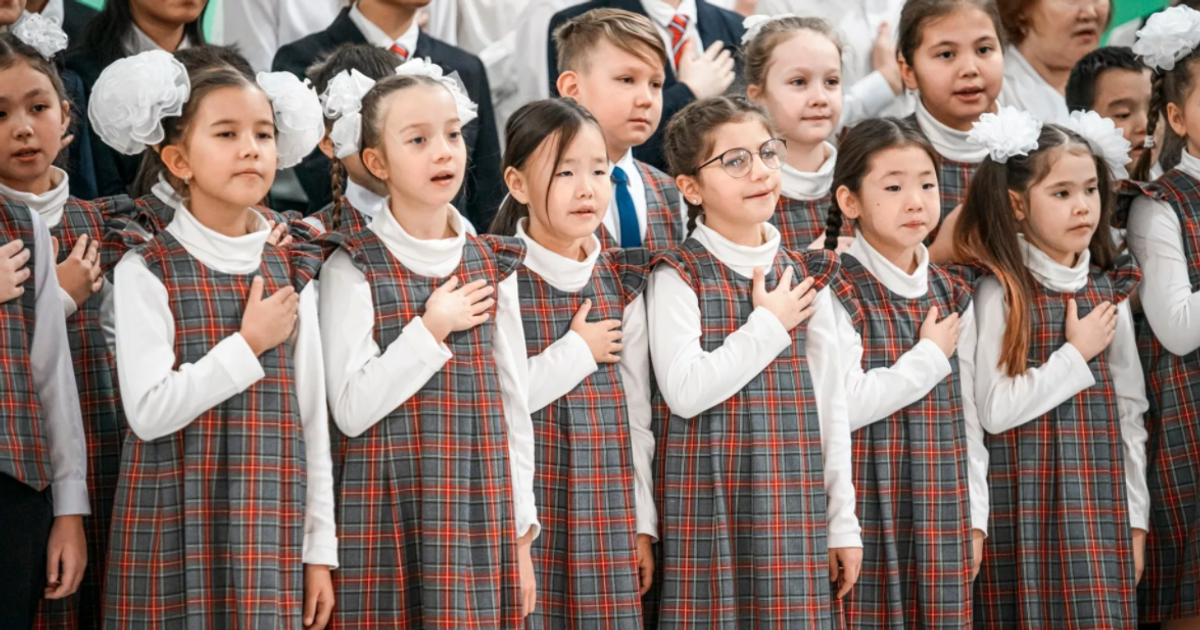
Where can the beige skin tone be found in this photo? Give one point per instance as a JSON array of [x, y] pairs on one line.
[[355, 170], [422, 162], [10, 11], [1060, 33], [1124, 97], [227, 159], [163, 21]]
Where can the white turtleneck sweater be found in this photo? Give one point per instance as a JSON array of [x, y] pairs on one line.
[[565, 364], [369, 205], [1006, 402], [808, 186], [951, 144], [1155, 237], [693, 380], [161, 400], [881, 392], [1025, 89], [50, 362], [366, 382]]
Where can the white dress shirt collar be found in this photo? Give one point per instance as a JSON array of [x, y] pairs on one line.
[[564, 274], [48, 205], [806, 186], [138, 42], [364, 201], [376, 37], [951, 144], [1189, 164], [741, 259], [897, 280]]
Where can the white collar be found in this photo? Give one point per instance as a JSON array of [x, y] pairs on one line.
[[806, 186], [1053, 275], [1189, 164], [627, 163], [364, 201], [897, 281], [376, 37], [662, 13], [50, 204], [951, 144], [138, 42], [741, 259], [1026, 89], [226, 254], [166, 193], [434, 258], [561, 272]]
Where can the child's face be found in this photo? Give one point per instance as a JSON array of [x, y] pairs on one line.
[[229, 149], [1061, 32], [746, 200], [169, 11], [32, 123], [569, 200], [958, 67], [1064, 207], [10, 11], [1124, 96], [423, 157], [898, 204], [803, 89], [623, 91]]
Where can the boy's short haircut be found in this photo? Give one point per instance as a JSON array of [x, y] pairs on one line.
[[1081, 86], [628, 31]]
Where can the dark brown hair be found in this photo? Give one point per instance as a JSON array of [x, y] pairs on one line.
[[373, 105], [689, 136], [557, 120], [917, 14], [13, 51], [987, 231], [855, 155], [628, 31], [757, 52], [1171, 86], [103, 39]]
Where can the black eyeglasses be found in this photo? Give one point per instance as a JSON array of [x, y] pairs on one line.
[[737, 162]]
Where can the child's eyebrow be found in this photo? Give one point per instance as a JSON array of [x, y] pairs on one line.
[[1125, 100]]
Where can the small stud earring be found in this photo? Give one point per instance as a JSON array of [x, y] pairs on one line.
[[695, 202]]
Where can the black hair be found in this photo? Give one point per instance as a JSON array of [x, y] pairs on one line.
[[1081, 86], [104, 36], [212, 56]]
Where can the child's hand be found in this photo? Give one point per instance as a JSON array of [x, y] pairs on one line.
[[845, 575], [883, 59], [13, 272], [66, 557], [1139, 553], [943, 333], [791, 305], [452, 308], [528, 581], [645, 559], [976, 552], [279, 235], [603, 338], [1092, 334], [318, 596], [80, 274], [269, 322], [708, 75]]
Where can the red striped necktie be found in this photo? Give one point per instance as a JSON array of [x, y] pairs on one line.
[[678, 28], [400, 50]]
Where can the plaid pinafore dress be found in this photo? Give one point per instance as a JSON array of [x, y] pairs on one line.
[[801, 221], [910, 470], [585, 559], [425, 517], [349, 221], [742, 520], [1059, 551], [664, 224], [208, 522]]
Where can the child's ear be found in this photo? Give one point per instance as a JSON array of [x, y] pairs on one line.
[[568, 84], [907, 74], [1176, 120], [373, 159], [518, 186], [326, 146], [1018, 205], [754, 92], [175, 161], [848, 202], [66, 118], [690, 189]]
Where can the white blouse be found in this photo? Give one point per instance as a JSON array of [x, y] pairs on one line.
[[1007, 402], [161, 400], [366, 383], [693, 380], [1025, 89], [881, 392], [951, 144], [808, 186]]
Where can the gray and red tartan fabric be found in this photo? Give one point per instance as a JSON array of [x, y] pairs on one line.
[[742, 520], [664, 224], [425, 518], [1170, 586], [801, 221], [1059, 551], [208, 523], [910, 469], [586, 557], [348, 220]]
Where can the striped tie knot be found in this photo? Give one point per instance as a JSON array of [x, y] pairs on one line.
[[678, 28], [400, 50]]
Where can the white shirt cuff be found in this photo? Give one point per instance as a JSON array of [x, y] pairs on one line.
[[70, 497], [844, 539], [979, 520], [237, 357], [320, 548], [771, 327], [68, 302], [1079, 368], [937, 358], [433, 354]]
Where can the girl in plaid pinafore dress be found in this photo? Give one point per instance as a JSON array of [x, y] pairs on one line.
[[913, 417], [428, 383], [1060, 391], [589, 362], [805, 103], [756, 502]]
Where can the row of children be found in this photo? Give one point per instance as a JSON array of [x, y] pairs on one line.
[[741, 427]]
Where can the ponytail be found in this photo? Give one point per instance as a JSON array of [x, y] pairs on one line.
[[833, 225], [1158, 106], [338, 184], [507, 218]]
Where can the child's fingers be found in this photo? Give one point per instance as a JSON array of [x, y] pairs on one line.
[[1072, 310], [932, 316], [310, 608], [20, 259], [448, 285], [804, 287], [324, 610], [12, 248], [849, 577], [833, 566], [79, 249], [472, 287], [474, 295], [93, 254], [256, 290], [480, 307], [581, 315], [785, 280], [478, 319], [21, 276]]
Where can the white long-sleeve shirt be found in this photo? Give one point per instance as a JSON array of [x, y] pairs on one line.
[[692, 380], [1155, 237], [883, 391], [1025, 89], [261, 27], [1007, 402], [567, 362], [160, 400], [366, 383], [808, 186], [951, 144]]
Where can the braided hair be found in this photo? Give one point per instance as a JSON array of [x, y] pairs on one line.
[[1168, 87]]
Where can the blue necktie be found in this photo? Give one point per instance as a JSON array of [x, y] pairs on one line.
[[631, 236]]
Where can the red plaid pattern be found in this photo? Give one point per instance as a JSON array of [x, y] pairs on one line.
[[425, 502], [586, 558], [208, 525], [910, 470], [351, 222], [1170, 587], [24, 451], [1059, 550], [664, 225], [801, 221], [742, 519]]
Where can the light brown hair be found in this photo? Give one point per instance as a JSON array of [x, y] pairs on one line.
[[758, 51], [630, 32]]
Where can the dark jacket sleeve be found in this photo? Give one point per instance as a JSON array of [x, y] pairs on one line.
[[485, 186]]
